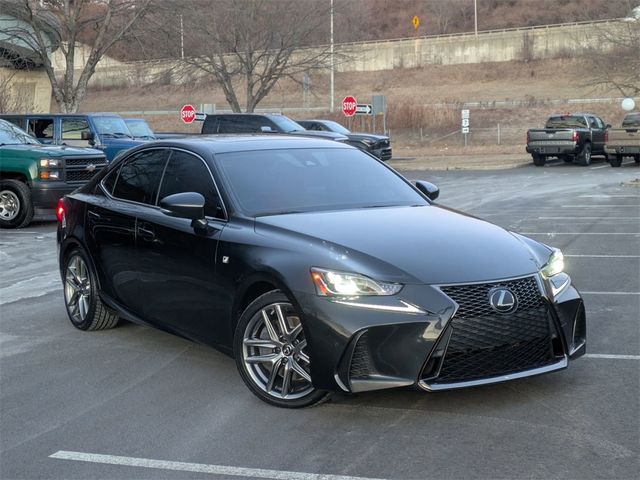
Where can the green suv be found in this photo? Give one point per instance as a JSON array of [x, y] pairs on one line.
[[34, 176]]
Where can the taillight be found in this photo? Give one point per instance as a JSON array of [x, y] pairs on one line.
[[606, 136], [574, 136], [60, 210], [528, 137]]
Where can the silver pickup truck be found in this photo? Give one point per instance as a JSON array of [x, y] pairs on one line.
[[571, 136], [625, 141]]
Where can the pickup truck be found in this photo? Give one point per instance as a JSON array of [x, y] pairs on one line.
[[625, 141], [105, 131], [570, 136], [34, 176]]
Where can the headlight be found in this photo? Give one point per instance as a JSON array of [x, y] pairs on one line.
[[48, 163], [368, 143], [329, 283], [53, 175], [554, 266]]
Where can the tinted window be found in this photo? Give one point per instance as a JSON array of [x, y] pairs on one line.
[[568, 121], [280, 181], [72, 128], [599, 122], [12, 135], [140, 177], [242, 124], [187, 173], [334, 127], [631, 120], [110, 180], [285, 124]]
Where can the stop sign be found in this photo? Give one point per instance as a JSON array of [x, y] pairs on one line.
[[188, 114], [349, 106]]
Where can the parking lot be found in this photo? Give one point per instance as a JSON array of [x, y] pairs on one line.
[[138, 403]]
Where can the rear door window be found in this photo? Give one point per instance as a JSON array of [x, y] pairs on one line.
[[140, 175], [41, 128]]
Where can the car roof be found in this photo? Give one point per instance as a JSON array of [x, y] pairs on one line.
[[244, 142], [78, 114]]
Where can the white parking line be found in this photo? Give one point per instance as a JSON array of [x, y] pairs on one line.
[[612, 357], [597, 206], [609, 293], [600, 166], [197, 467], [588, 218], [608, 196]]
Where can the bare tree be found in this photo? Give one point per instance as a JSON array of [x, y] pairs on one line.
[[100, 23], [248, 45], [12, 98], [614, 59]]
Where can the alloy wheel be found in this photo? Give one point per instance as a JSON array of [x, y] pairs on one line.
[[274, 352], [9, 205], [77, 289]]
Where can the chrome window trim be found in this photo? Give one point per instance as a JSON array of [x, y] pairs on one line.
[[157, 207]]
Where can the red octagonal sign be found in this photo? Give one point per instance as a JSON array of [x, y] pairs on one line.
[[349, 106], [188, 114]]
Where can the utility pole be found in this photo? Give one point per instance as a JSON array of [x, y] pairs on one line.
[[332, 60], [181, 38], [475, 16]]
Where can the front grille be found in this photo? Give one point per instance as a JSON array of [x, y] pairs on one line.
[[78, 169], [484, 343], [361, 363], [385, 154]]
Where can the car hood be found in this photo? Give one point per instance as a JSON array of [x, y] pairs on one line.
[[367, 136], [54, 150], [314, 133], [425, 244]]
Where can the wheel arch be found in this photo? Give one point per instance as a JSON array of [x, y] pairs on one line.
[[14, 175]]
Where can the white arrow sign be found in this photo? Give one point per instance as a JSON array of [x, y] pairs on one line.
[[363, 109]]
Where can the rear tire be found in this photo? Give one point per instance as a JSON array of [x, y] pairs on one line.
[[539, 160], [585, 155], [84, 307], [16, 207], [271, 353], [615, 160]]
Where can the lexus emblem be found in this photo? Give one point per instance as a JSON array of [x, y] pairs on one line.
[[90, 168], [503, 300]]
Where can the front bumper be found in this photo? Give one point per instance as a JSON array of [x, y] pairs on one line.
[[360, 348], [45, 196]]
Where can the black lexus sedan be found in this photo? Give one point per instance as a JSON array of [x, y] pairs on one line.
[[316, 266], [377, 145]]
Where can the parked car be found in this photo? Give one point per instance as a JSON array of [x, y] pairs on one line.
[[34, 176], [105, 131], [261, 123], [140, 129], [317, 266], [570, 136], [625, 141], [378, 145]]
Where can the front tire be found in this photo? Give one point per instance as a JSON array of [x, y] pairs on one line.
[[585, 155], [615, 160], [84, 307], [539, 160], [16, 207], [271, 353]]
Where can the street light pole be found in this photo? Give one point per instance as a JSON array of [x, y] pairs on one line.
[[475, 16], [181, 38], [332, 60]]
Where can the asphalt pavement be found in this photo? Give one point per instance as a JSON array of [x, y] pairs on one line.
[[136, 403]]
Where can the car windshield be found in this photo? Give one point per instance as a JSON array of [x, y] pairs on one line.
[[286, 124], [631, 120], [12, 135], [139, 129], [112, 127], [335, 127], [276, 182], [568, 121]]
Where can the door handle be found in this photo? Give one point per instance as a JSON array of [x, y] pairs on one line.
[[146, 232], [94, 215]]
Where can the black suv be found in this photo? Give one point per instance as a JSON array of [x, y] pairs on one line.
[[261, 123], [377, 145]]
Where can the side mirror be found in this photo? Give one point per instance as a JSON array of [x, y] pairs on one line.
[[428, 188], [608, 125], [189, 205], [266, 129], [86, 135]]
